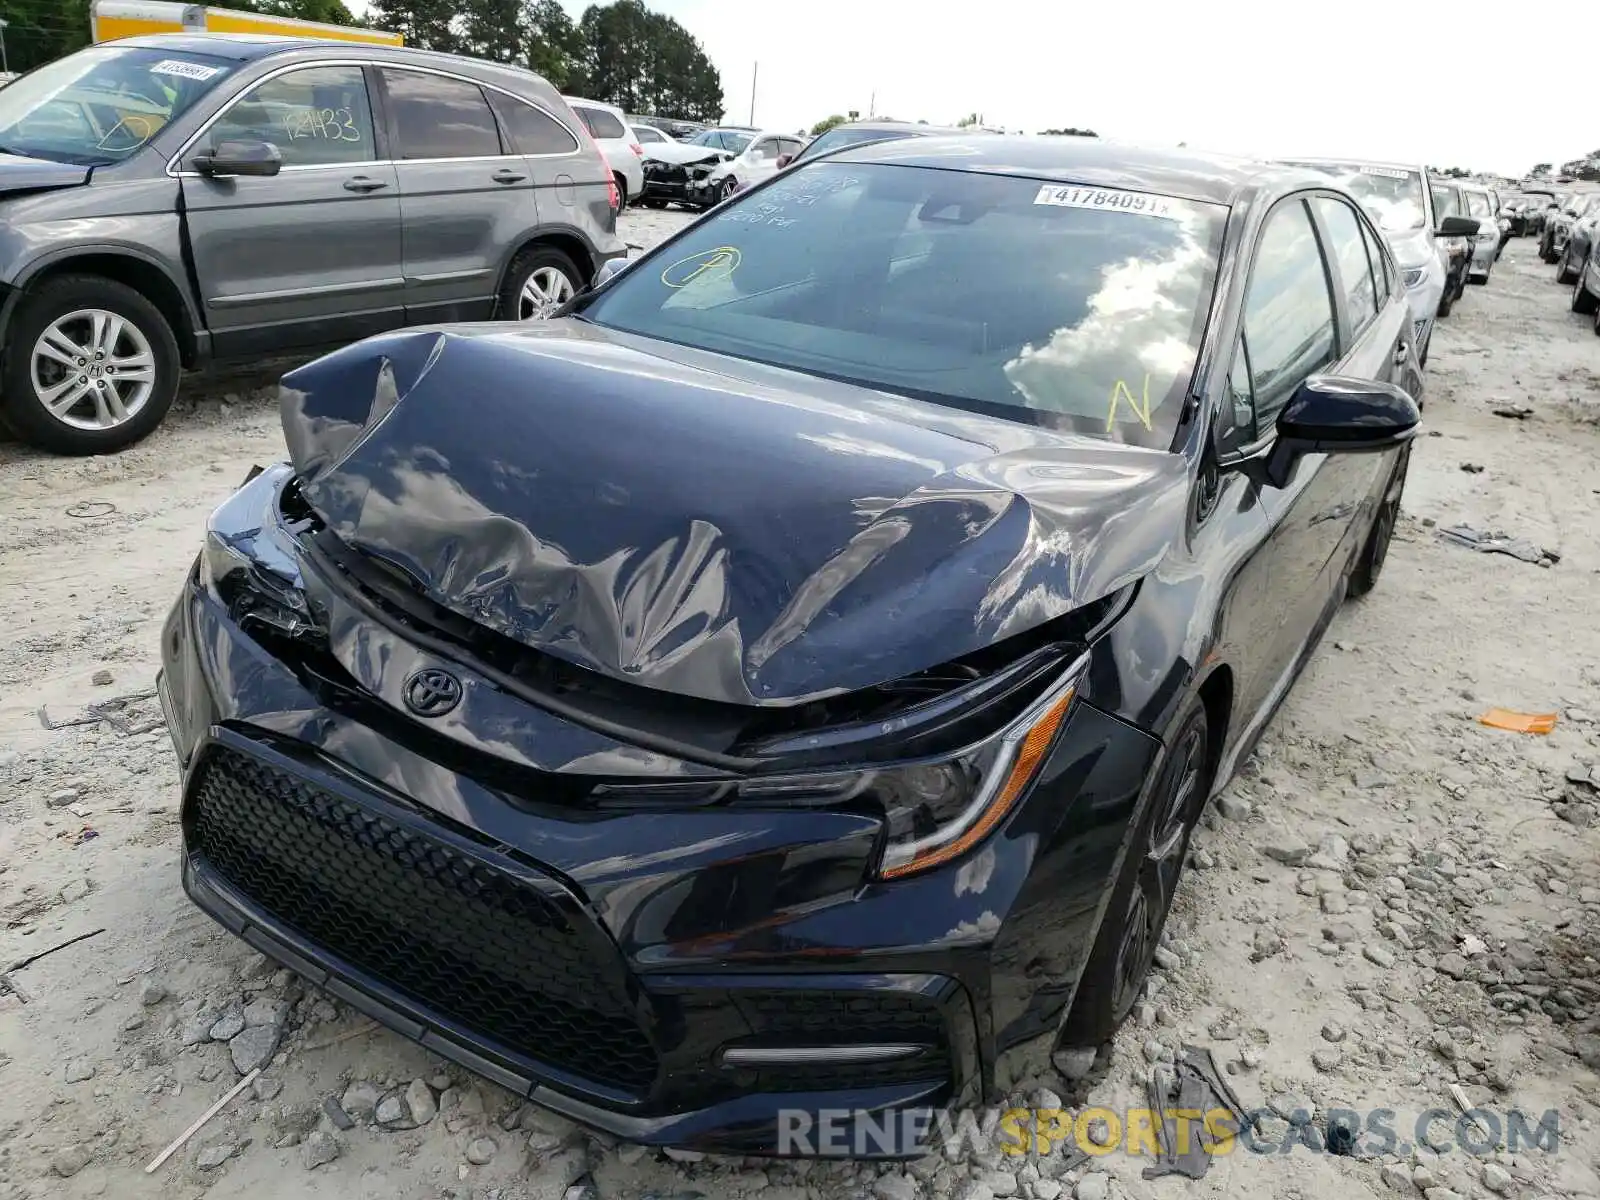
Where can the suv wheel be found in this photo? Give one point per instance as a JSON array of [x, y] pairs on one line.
[[91, 366], [1565, 273], [623, 199], [540, 281]]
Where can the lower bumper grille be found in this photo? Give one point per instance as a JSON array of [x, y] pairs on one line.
[[464, 939]]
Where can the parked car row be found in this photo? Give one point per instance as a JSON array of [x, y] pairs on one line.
[[1425, 219], [1571, 241]]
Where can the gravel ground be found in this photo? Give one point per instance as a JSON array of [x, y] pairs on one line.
[[1394, 898]]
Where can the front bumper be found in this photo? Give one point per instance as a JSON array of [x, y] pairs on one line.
[[678, 185], [604, 964]]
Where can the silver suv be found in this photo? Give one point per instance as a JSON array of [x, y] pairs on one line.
[[174, 200]]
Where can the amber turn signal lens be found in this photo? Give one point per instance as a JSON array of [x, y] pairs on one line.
[[1025, 765]]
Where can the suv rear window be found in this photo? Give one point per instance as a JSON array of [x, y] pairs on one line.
[[530, 130], [438, 117], [599, 122]]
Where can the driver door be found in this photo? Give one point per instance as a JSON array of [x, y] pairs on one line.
[[311, 256]]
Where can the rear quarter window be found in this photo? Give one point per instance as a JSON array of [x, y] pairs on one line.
[[599, 122]]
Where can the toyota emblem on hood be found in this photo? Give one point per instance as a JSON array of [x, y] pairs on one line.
[[432, 692]]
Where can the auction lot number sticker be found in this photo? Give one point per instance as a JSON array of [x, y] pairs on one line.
[[1108, 200]]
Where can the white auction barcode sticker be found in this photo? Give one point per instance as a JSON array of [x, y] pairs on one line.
[[1107, 200], [183, 70]]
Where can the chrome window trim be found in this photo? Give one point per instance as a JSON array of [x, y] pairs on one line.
[[175, 171]]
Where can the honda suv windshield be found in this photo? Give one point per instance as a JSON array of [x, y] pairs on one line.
[[103, 104], [1076, 308]]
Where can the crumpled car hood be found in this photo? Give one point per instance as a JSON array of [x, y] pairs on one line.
[[18, 173], [707, 526], [683, 153]]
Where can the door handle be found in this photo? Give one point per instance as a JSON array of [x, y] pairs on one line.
[[504, 176], [362, 183]]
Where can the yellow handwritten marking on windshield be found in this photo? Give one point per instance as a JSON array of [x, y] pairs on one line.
[[1121, 393], [708, 264]]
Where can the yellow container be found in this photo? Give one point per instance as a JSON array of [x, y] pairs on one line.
[[113, 19]]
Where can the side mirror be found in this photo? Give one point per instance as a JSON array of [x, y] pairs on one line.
[[1332, 414], [239, 158], [1458, 227], [784, 160], [610, 269]]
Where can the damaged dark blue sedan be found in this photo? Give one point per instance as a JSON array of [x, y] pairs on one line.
[[787, 680]]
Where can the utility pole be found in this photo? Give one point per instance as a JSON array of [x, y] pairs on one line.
[[5, 63], [872, 105], [754, 72]]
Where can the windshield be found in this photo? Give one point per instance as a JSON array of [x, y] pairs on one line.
[[103, 104], [722, 139], [1392, 196], [843, 135], [1076, 308]]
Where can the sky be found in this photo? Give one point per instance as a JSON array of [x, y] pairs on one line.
[[1356, 78]]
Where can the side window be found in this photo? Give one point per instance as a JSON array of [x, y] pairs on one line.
[[437, 117], [314, 117], [1288, 312], [1383, 282], [599, 122], [1350, 250], [530, 130], [790, 146], [765, 148]]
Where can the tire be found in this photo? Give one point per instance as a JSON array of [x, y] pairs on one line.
[[532, 289], [730, 185], [1131, 929], [1376, 552], [1446, 301], [75, 307], [1583, 302], [1546, 253], [623, 199], [1564, 273]]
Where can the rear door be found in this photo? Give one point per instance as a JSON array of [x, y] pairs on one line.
[[311, 256], [465, 197]]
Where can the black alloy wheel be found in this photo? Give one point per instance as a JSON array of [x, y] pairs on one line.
[[1130, 931], [1376, 552]]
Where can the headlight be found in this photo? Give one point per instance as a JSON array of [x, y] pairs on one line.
[[252, 594], [1413, 276], [937, 811]]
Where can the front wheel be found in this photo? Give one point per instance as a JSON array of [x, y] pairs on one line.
[[91, 366], [1583, 302], [1131, 929], [1447, 301], [540, 281], [1376, 552], [1565, 273]]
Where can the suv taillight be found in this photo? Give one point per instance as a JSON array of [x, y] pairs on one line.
[[637, 150]]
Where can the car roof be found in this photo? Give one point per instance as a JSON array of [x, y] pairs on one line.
[[1323, 160], [906, 127], [610, 108], [1183, 174]]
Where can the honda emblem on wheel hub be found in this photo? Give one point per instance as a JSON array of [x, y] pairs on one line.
[[432, 692]]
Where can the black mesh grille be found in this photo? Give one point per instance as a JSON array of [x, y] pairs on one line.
[[465, 940]]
